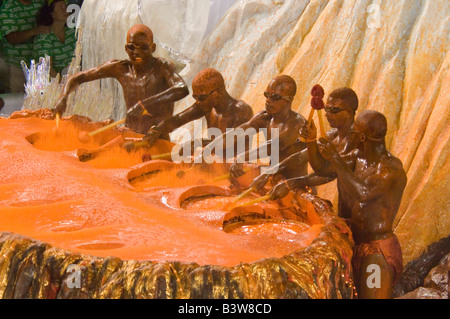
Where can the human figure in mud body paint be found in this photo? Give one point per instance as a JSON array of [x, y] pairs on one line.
[[277, 115], [212, 101], [340, 109], [373, 185], [147, 82]]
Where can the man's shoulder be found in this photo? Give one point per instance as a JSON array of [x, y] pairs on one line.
[[391, 163], [163, 63], [297, 118], [243, 108], [117, 63]]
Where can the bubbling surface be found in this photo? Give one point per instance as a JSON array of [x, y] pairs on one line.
[[49, 195]]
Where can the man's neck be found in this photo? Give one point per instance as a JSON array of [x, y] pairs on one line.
[[281, 116], [144, 68], [224, 104], [344, 130], [374, 151]]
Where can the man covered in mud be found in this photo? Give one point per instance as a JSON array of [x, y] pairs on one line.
[[150, 84], [212, 101], [373, 184], [340, 110], [277, 116]]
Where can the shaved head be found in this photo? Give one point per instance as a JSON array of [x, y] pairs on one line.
[[287, 84], [208, 80], [140, 29], [373, 124]]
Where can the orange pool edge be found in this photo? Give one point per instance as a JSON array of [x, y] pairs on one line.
[[73, 197]]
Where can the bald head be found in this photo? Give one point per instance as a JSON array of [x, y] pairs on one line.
[[208, 80], [140, 29], [373, 124], [286, 83]]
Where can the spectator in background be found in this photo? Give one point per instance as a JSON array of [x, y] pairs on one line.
[[60, 43], [18, 28]]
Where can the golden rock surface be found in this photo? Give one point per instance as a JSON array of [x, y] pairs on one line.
[[32, 269], [395, 55]]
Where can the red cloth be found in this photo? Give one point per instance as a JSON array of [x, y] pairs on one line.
[[389, 248]]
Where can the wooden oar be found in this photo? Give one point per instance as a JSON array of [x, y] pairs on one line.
[[238, 198], [150, 157], [85, 137], [257, 200], [227, 176], [56, 129]]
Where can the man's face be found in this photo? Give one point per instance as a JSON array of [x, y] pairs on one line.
[[139, 48], [337, 112], [277, 97], [205, 96]]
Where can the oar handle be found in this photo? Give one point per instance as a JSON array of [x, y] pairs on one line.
[[257, 200], [109, 126], [160, 156], [105, 128], [244, 194]]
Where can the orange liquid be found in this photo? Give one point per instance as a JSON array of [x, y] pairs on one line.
[[49, 195]]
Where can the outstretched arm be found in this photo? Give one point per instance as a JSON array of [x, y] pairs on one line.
[[292, 163], [282, 189], [172, 123], [106, 70]]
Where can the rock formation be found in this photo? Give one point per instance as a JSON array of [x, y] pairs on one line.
[[394, 55]]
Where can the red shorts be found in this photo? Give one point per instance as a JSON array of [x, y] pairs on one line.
[[389, 248]]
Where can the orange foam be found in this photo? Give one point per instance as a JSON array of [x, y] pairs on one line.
[[49, 195]]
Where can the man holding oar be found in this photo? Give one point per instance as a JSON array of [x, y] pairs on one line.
[[373, 181], [212, 101], [150, 84], [340, 109], [277, 116]]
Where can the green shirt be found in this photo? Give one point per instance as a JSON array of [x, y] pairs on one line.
[[60, 52], [15, 17]]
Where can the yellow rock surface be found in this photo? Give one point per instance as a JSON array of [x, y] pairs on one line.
[[395, 55]]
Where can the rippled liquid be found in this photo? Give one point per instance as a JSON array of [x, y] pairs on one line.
[[48, 195]]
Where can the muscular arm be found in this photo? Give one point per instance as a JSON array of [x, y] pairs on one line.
[[106, 70], [282, 189], [180, 119], [318, 163], [309, 180], [366, 190], [221, 140], [176, 91]]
